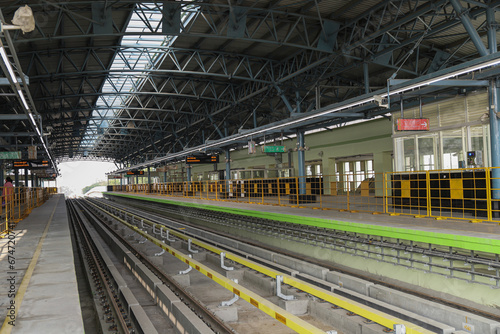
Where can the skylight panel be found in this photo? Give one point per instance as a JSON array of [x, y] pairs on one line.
[[140, 54]]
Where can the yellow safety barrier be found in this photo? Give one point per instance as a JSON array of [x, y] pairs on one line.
[[20, 204], [470, 194], [367, 312]]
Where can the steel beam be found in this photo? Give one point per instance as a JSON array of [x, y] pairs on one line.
[[474, 36]]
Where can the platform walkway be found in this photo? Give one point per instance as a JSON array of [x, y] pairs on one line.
[[448, 232], [38, 286]]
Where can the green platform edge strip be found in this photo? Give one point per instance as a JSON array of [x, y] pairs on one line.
[[449, 240]]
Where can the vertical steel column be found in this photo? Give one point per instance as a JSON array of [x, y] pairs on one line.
[[2, 176], [148, 187], [16, 177], [302, 163], [32, 180], [188, 173], [492, 30], [494, 95], [26, 178], [228, 169], [367, 77]]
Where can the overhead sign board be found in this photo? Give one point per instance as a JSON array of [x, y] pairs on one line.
[[413, 124], [39, 164], [273, 149], [204, 159], [21, 164], [10, 155], [32, 164], [135, 172]]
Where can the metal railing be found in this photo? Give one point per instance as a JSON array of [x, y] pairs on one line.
[[471, 194], [20, 203]]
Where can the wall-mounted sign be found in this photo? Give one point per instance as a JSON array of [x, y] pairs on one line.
[[273, 149], [413, 124], [10, 155], [203, 159]]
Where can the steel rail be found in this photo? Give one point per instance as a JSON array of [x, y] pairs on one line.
[[201, 311], [332, 267], [89, 247], [366, 312]]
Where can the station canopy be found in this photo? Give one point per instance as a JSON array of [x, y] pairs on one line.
[[144, 83]]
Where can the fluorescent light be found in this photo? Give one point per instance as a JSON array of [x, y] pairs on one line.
[[32, 118], [7, 64], [21, 95]]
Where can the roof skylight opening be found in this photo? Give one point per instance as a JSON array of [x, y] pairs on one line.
[[139, 54]]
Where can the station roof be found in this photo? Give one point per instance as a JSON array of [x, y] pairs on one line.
[[143, 83]]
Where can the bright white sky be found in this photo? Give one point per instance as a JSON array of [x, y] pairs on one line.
[[79, 174]]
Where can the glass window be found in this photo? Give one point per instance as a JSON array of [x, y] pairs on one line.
[[427, 153], [452, 148], [309, 170], [369, 168], [476, 138], [409, 154]]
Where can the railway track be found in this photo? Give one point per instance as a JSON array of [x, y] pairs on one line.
[[368, 312]]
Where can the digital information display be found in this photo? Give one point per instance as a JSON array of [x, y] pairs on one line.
[[135, 172], [207, 159], [32, 164]]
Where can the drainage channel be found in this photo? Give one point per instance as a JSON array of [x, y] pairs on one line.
[[455, 316]]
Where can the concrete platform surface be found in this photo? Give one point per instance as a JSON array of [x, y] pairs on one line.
[[38, 287]]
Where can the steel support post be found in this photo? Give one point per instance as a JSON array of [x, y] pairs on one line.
[[302, 163], [492, 30], [367, 78], [228, 169], [26, 178], [16, 177], [2, 176], [494, 95]]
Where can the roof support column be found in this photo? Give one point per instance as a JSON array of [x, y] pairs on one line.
[[149, 179], [494, 96], [302, 163], [367, 77], [2, 176], [228, 169], [26, 179], [32, 180], [474, 36], [492, 30], [188, 173], [16, 177]]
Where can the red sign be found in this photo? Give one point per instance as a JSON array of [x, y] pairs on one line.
[[413, 124]]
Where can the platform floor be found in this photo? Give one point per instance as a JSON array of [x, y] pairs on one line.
[[39, 270], [445, 226]]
